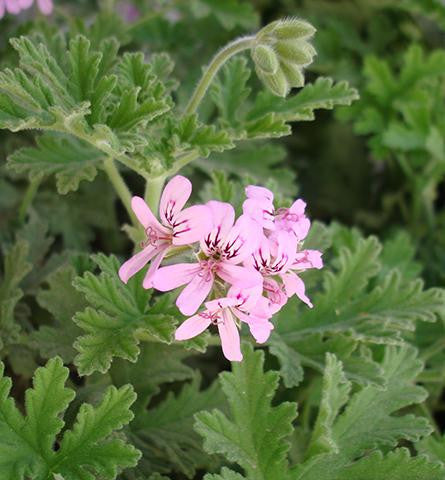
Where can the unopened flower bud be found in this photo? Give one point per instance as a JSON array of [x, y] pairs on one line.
[[294, 75], [265, 59], [293, 28], [296, 51], [277, 82], [280, 53]]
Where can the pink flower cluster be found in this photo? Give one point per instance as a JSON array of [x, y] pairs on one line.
[[16, 6], [245, 268]]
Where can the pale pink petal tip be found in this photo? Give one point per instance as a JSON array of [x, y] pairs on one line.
[[192, 327], [45, 6]]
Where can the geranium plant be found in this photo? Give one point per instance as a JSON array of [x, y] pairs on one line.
[[167, 308]]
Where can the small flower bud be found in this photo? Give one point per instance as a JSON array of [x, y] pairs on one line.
[[295, 51], [280, 52], [293, 28], [294, 75], [265, 59], [276, 82]]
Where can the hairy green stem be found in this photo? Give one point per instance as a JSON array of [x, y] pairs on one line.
[[120, 187], [231, 49], [28, 198], [153, 189]]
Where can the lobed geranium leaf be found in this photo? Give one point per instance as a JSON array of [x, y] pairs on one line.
[[121, 317], [165, 434], [371, 419], [27, 442], [16, 267], [71, 160], [256, 435], [63, 301]]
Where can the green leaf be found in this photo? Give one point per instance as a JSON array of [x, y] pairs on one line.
[[230, 90], [335, 394], [397, 465], [165, 434], [27, 442], [70, 160], [63, 302], [368, 420], [255, 436], [85, 93], [372, 418], [190, 134], [16, 267], [225, 474], [300, 107], [121, 317]]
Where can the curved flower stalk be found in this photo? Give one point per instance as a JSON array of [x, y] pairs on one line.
[[14, 7], [245, 269]]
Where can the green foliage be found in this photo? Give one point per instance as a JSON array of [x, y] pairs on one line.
[[165, 434], [120, 316], [69, 159], [63, 302], [27, 442], [256, 435], [353, 311], [368, 422], [15, 268]]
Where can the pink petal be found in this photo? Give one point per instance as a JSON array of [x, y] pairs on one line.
[[175, 195], [295, 286], [260, 328], [195, 293], [220, 303], [275, 294], [301, 228], [2, 8], [247, 298], [298, 207], [240, 276], [223, 218], [230, 339], [160, 254], [173, 276], [242, 240], [308, 259], [45, 6], [254, 191], [12, 6], [136, 263], [191, 225], [261, 211], [25, 3], [192, 327], [145, 215]]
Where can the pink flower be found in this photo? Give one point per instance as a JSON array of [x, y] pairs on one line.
[[177, 227], [10, 6], [223, 248], [276, 259], [293, 220], [259, 206], [293, 284], [16, 6], [223, 312]]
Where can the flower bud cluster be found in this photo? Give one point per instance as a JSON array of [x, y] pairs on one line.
[[280, 53], [244, 269]]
